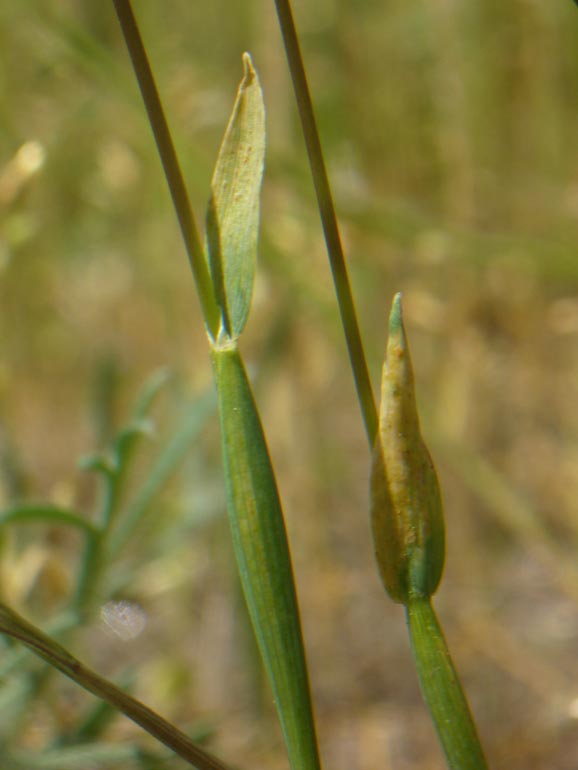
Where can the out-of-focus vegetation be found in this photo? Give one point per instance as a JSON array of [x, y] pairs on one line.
[[450, 135]]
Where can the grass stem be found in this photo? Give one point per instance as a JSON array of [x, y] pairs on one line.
[[329, 220], [57, 656], [442, 689], [170, 162]]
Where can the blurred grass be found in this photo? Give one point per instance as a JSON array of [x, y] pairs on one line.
[[450, 135]]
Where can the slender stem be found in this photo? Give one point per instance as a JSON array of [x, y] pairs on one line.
[[51, 651], [329, 220], [442, 689], [170, 162], [88, 585]]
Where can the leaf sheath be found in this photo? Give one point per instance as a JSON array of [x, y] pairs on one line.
[[262, 552]]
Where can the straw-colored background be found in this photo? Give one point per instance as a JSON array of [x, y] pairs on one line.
[[451, 137]]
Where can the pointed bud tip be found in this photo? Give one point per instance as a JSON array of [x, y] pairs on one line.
[[248, 68], [396, 316]]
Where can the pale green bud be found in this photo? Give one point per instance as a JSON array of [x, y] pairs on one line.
[[406, 508]]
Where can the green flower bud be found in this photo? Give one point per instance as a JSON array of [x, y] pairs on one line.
[[406, 507]]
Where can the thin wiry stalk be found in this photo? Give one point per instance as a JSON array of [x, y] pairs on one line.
[[54, 653], [170, 162], [329, 220]]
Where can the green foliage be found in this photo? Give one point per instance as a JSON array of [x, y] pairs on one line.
[[435, 186], [233, 211], [106, 535], [262, 552]]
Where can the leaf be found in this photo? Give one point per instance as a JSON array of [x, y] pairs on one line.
[[97, 755], [263, 558], [44, 513], [233, 211], [191, 423], [149, 391]]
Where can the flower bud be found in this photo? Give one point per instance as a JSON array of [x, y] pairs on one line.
[[406, 507]]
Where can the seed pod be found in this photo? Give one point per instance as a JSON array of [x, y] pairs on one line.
[[406, 507]]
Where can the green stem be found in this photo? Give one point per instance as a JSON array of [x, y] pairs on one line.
[[442, 689], [88, 585], [329, 220], [170, 162], [57, 656]]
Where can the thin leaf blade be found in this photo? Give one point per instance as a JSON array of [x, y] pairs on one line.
[[263, 557], [233, 211]]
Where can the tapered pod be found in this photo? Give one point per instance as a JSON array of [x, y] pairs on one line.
[[409, 539], [406, 506]]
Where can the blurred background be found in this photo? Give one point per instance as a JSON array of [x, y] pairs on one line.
[[450, 134]]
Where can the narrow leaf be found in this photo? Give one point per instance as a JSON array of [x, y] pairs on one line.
[[191, 422], [44, 513], [97, 755], [263, 558], [233, 211]]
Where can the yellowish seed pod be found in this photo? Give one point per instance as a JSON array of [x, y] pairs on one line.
[[406, 507]]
